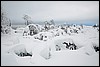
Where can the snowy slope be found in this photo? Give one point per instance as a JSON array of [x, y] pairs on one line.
[[83, 56]]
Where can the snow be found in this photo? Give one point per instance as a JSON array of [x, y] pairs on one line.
[[44, 52]]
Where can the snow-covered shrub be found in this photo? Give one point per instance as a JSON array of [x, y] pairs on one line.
[[60, 42], [72, 29], [58, 48], [96, 48], [32, 29], [70, 46], [44, 36], [67, 43], [6, 29], [19, 50], [57, 32], [26, 31], [69, 31]]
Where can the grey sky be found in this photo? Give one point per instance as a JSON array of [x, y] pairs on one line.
[[57, 10]]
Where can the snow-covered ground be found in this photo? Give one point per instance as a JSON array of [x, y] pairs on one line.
[[44, 52]]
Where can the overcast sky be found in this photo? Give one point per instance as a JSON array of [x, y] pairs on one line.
[[87, 11]]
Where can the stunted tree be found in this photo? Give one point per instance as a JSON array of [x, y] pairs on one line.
[[3, 16], [26, 18], [49, 25], [5, 22], [46, 25], [52, 22], [4, 19]]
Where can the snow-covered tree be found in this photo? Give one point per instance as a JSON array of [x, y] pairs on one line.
[[2, 15], [5, 22], [46, 25], [52, 22], [4, 19], [26, 18]]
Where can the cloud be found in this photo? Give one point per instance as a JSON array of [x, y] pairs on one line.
[[57, 10]]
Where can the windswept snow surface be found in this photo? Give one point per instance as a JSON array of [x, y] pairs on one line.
[[44, 52]]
